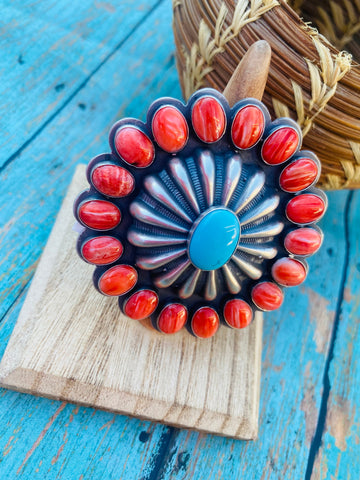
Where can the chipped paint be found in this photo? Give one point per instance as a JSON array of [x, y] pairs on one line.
[[309, 407], [347, 294], [322, 318], [339, 420], [41, 436]]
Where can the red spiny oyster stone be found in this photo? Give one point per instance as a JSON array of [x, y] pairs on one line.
[[280, 145], [267, 296], [305, 208], [141, 304], [247, 127], [237, 313], [303, 241], [102, 250], [134, 147], [172, 318], [112, 180], [299, 175], [99, 214], [205, 322], [208, 119], [170, 129], [288, 272], [118, 280]]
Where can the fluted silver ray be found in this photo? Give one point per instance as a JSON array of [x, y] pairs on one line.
[[252, 189], [258, 250], [210, 289], [207, 169], [183, 180], [189, 285], [247, 267], [170, 277], [261, 210], [146, 214], [144, 239], [159, 191], [266, 229], [232, 177], [154, 261], [231, 281], [197, 188]]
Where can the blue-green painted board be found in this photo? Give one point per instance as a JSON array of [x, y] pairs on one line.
[[36, 441], [42, 439], [58, 440], [48, 50], [45, 439], [295, 343], [34, 185], [339, 455]]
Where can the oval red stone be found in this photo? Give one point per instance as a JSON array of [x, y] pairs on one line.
[[237, 313], [267, 296], [305, 208], [102, 250], [205, 322], [208, 119], [134, 147], [303, 241], [99, 214], [172, 318], [248, 127], [288, 272], [112, 180], [118, 280], [170, 129], [141, 304], [299, 175], [280, 145]]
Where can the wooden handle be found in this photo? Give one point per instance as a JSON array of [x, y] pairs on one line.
[[249, 78]]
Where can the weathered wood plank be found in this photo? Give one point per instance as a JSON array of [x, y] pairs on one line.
[[339, 453], [49, 50], [294, 354]]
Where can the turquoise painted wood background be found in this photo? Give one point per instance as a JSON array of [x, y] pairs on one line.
[[69, 69]]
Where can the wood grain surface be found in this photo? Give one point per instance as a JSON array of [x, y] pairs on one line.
[[71, 343], [309, 424]]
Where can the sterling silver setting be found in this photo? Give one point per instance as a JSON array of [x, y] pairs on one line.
[[200, 219], [164, 234]]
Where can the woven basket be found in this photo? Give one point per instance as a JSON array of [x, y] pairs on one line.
[[312, 79]]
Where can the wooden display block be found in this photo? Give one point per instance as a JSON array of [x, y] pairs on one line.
[[71, 343]]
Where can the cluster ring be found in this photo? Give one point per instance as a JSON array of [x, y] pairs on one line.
[[201, 215]]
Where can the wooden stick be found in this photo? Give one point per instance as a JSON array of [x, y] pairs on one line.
[[249, 78]]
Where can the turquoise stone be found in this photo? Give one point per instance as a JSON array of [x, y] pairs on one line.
[[214, 239]]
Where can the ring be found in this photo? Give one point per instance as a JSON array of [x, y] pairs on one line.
[[201, 215]]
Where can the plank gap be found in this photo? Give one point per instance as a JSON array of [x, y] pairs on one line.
[[316, 440]]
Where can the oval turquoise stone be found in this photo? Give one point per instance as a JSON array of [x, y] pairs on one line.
[[214, 239]]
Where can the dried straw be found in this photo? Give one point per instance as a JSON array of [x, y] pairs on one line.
[[310, 80]]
